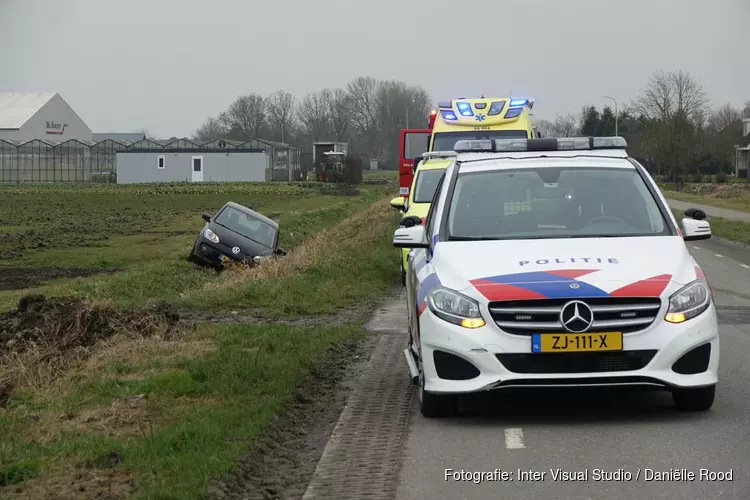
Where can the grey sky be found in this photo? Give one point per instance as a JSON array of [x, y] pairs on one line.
[[167, 65]]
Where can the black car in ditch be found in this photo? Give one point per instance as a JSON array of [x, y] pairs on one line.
[[235, 234]]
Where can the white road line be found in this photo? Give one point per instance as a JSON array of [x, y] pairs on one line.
[[745, 266], [718, 255], [698, 248], [514, 438]]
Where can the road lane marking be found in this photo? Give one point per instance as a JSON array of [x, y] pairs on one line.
[[698, 248], [745, 266], [514, 438], [718, 255]]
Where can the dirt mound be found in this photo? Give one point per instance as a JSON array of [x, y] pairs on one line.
[[44, 331], [719, 191]]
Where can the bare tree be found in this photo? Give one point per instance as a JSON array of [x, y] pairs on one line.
[[364, 108], [565, 126], [722, 117], [246, 117], [673, 107], [313, 113], [337, 103], [209, 130], [545, 128], [746, 110], [280, 112]]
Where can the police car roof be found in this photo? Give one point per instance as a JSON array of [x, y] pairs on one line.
[[485, 162]]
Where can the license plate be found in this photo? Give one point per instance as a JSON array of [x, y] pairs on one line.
[[576, 342]]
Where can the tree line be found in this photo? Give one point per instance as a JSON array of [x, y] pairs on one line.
[[367, 113], [671, 128]]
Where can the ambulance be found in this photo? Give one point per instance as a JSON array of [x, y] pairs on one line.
[[464, 119]]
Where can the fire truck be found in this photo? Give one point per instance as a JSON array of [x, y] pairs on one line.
[[461, 119]]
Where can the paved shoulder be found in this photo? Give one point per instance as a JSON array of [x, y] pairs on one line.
[[724, 213]]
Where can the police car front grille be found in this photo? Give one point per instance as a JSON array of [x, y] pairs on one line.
[[576, 362], [622, 314]]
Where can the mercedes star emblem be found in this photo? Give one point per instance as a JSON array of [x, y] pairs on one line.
[[235, 250], [576, 316]]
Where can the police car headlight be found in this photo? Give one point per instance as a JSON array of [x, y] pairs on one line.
[[455, 308], [688, 302], [210, 235]]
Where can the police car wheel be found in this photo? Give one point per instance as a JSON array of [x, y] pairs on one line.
[[700, 399], [435, 405]]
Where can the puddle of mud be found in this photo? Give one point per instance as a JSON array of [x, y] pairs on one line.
[[19, 278]]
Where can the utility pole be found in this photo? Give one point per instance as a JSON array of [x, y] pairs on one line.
[[617, 115]]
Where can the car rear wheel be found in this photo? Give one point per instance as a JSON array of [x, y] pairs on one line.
[[700, 399], [436, 405]]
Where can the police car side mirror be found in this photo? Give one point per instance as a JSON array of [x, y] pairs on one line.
[[694, 230], [410, 237], [206, 217], [696, 213]]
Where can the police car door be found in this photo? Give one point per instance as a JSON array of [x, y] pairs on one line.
[[419, 264]]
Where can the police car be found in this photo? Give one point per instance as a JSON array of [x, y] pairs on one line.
[[555, 262]]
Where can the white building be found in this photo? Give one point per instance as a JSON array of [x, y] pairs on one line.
[[43, 116]]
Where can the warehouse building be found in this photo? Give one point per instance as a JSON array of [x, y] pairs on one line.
[[183, 160], [39, 116]]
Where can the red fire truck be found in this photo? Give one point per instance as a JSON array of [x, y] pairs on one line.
[[413, 143]]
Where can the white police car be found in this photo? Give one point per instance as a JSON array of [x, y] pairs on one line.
[[555, 262]]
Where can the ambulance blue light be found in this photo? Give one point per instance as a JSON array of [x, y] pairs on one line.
[[513, 112], [496, 108], [448, 115], [518, 102], [464, 108]]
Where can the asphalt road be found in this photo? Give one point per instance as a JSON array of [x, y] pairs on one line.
[[589, 431]]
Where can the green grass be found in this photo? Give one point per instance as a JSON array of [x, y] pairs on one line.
[[201, 411], [204, 396], [143, 246]]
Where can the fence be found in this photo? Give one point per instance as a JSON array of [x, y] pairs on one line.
[[79, 161]]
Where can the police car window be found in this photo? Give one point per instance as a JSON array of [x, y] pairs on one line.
[[553, 203], [427, 181], [430, 222], [445, 141]]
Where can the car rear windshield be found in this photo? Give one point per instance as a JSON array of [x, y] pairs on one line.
[[427, 181], [248, 226], [553, 203], [445, 141]]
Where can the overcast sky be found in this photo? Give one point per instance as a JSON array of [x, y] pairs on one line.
[[165, 65]]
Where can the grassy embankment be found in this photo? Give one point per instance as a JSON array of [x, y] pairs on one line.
[[161, 413]]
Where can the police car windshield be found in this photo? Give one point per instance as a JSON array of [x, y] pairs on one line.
[[444, 141], [427, 181], [247, 225], [534, 203]]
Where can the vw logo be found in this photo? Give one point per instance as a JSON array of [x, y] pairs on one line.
[[235, 250], [576, 316]]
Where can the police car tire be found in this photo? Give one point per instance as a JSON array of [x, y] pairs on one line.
[[699, 399], [436, 405]]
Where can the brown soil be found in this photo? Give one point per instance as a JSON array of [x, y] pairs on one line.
[[43, 332], [18, 278], [78, 484], [281, 463]]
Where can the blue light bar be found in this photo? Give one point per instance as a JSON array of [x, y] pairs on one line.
[[513, 112], [448, 115], [465, 109], [496, 108], [444, 104], [518, 102]]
